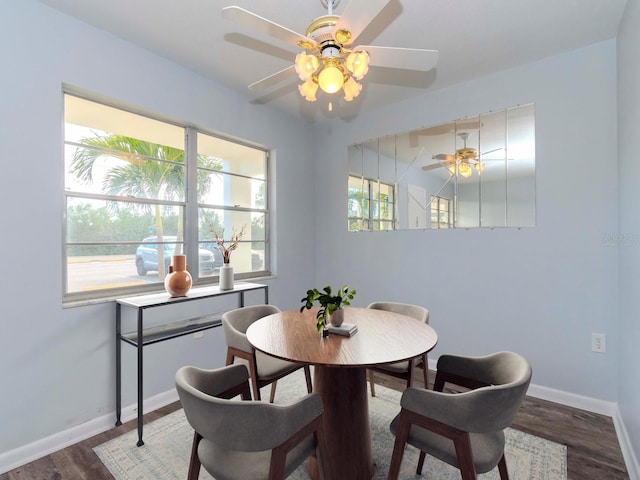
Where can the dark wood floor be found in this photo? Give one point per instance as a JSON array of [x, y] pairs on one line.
[[593, 452]]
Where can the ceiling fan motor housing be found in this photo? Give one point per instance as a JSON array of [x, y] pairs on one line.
[[321, 28], [467, 154]]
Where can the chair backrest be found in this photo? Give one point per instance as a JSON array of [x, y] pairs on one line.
[[221, 383], [419, 313], [248, 426], [236, 322], [492, 407], [210, 416]]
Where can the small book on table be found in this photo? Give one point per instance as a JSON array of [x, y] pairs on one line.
[[346, 329]]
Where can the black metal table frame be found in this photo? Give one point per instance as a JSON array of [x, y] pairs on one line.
[[140, 342]]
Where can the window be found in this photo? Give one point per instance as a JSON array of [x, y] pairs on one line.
[[440, 212], [371, 204], [138, 190]]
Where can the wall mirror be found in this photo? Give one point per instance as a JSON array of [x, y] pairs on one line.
[[477, 171]]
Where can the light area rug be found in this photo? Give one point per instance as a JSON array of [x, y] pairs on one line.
[[165, 454]]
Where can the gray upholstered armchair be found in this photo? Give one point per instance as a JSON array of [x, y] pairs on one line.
[[465, 429], [237, 439], [263, 369], [405, 369]]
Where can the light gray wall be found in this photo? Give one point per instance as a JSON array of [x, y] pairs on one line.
[[57, 365], [540, 291], [629, 239]]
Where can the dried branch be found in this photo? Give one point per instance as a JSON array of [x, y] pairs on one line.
[[236, 236]]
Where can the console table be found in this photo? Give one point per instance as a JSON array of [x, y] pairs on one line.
[[142, 337]]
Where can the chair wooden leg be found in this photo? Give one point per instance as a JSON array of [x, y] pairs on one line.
[[438, 384], [229, 357], [425, 370], [253, 372], [412, 364], [465, 457], [273, 391], [398, 447], [194, 461], [372, 383], [502, 468], [307, 376], [278, 461], [420, 463]]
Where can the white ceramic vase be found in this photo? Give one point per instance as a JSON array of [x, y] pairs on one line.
[[337, 317], [226, 277]]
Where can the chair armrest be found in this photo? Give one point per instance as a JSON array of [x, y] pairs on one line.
[[222, 383], [479, 410], [250, 426], [281, 422], [235, 338], [474, 372], [443, 407]]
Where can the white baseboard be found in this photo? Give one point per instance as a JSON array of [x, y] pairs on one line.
[[630, 458], [38, 449], [573, 400]]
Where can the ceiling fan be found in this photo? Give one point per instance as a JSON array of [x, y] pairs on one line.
[[464, 160], [330, 61]]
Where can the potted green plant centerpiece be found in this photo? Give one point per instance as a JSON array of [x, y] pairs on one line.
[[330, 305]]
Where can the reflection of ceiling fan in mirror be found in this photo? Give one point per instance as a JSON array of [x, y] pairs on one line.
[[463, 162], [329, 60]]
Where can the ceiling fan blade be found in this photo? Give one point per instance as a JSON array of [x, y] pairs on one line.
[[406, 58], [357, 15], [260, 24], [491, 151], [433, 166], [444, 156], [273, 80]]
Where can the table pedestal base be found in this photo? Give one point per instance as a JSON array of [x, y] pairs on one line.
[[346, 423]]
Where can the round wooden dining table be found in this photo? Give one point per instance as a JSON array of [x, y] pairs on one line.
[[340, 365]]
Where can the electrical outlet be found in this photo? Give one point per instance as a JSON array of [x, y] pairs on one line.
[[198, 335], [598, 342]]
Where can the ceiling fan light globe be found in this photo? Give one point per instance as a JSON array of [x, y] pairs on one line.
[[351, 89], [331, 78], [343, 36], [306, 65], [308, 90], [464, 169], [358, 64]]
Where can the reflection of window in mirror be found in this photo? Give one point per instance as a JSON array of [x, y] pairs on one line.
[[440, 212], [371, 204], [483, 164]]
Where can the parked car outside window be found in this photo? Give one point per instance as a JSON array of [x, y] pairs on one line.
[[147, 256]]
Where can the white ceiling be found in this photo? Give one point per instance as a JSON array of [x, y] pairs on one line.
[[474, 37]]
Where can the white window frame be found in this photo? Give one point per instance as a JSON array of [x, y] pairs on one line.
[[367, 222], [189, 205], [437, 201]]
